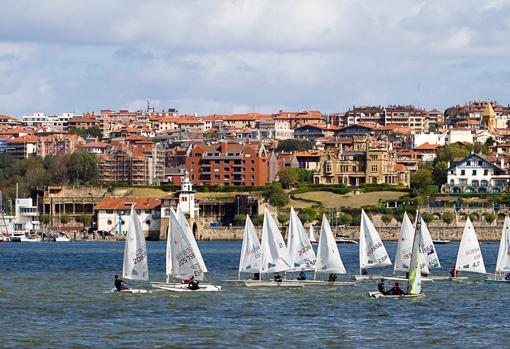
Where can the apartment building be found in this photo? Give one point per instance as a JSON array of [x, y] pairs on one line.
[[407, 116], [53, 122], [141, 163], [228, 163]]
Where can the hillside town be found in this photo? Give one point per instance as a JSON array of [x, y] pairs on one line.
[[430, 155]]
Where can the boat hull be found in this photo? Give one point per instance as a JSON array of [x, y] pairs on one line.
[[492, 281], [449, 278], [267, 283], [134, 291], [378, 295], [178, 287], [365, 278], [441, 242]]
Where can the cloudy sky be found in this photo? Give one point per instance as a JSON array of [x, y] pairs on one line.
[[263, 56]]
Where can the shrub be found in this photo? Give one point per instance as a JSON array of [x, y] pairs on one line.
[[448, 217], [239, 219], [490, 217], [387, 218], [427, 217]]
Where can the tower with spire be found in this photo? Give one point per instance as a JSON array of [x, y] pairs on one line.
[[187, 197], [489, 118]]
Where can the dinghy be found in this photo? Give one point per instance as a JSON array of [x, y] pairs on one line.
[[469, 257], [135, 265], [503, 261], [275, 256], [372, 253], [183, 258], [414, 280]]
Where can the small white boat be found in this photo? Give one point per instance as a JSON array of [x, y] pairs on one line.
[[346, 241], [270, 283], [448, 278], [62, 238], [469, 257], [180, 287], [503, 261], [323, 283], [378, 295], [372, 253], [362, 278], [440, 241], [29, 238]]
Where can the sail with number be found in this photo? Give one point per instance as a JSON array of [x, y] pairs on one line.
[[405, 247], [372, 253], [135, 266], [414, 280], [184, 252], [184, 222], [503, 262], [312, 234], [168, 264], [469, 257], [427, 247], [250, 250], [275, 256], [328, 257], [302, 256]]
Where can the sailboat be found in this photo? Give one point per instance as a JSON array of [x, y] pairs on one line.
[[302, 256], [372, 253], [503, 262], [414, 278], [183, 258], [311, 235], [135, 265], [469, 257], [275, 256]]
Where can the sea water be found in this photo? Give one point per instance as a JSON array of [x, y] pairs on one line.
[[59, 295]]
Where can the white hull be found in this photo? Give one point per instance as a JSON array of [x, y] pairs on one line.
[[441, 242], [378, 295], [178, 287], [134, 291], [346, 241], [362, 278], [24, 239], [267, 283], [62, 239], [323, 282], [449, 278]]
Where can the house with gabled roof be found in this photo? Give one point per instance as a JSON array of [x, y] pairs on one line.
[[476, 174]]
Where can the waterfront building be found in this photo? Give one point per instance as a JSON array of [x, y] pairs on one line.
[[476, 174], [53, 122]]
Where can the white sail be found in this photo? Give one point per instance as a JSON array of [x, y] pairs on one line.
[[503, 262], [427, 247], [168, 263], [300, 248], [185, 256], [135, 266], [405, 248], [414, 281], [372, 253], [312, 234], [250, 250], [184, 222], [469, 257], [275, 256], [328, 257]]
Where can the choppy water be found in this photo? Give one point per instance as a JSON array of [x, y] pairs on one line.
[[57, 295]]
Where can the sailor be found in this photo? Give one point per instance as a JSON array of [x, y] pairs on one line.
[[364, 271], [396, 290], [192, 283], [332, 278], [119, 286], [453, 272], [302, 275], [381, 287], [256, 276], [277, 277], [507, 276]]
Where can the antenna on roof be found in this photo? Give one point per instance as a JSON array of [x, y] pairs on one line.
[[148, 105]]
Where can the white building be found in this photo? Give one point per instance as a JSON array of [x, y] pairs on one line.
[[476, 174], [112, 215], [54, 122], [26, 216]]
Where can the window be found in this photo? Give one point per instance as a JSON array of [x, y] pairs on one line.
[[462, 172], [480, 162], [468, 163], [184, 198], [374, 168], [474, 172], [485, 172]]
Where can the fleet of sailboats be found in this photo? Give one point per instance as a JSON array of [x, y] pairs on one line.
[[415, 254]]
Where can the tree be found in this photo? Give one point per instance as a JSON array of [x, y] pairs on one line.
[[292, 145], [288, 176], [345, 219], [420, 180], [82, 167], [473, 217], [490, 217], [239, 219], [451, 151], [44, 218], [387, 218], [93, 131], [439, 174], [85, 219], [283, 217], [257, 220], [276, 195], [64, 219], [448, 217], [308, 214], [427, 217]]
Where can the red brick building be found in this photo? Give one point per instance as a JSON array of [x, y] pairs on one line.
[[228, 164]]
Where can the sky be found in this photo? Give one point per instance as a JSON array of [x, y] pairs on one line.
[[237, 56]]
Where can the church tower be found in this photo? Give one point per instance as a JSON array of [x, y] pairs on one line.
[[489, 118]]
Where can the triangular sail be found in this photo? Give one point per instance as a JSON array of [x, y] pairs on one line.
[[185, 224], [328, 257], [275, 256], [405, 247], [300, 248], [135, 266], [428, 248], [372, 253], [503, 262], [168, 263], [469, 257], [185, 257], [250, 250], [312, 234], [414, 280]]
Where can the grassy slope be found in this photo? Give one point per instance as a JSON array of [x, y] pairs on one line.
[[331, 200]]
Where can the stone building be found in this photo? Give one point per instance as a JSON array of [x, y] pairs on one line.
[[367, 161]]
